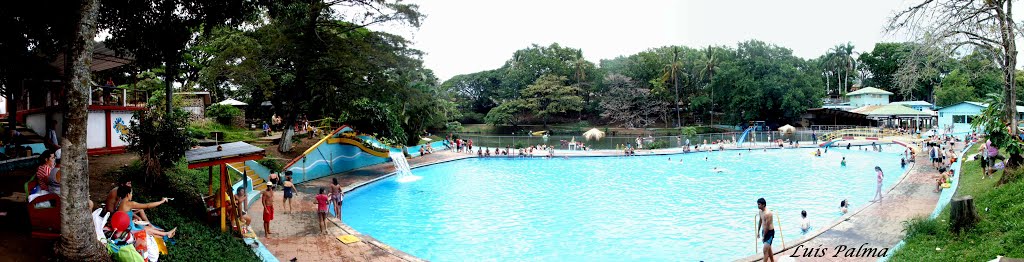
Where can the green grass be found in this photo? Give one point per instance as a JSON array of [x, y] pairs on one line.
[[202, 129], [196, 239], [1000, 231]]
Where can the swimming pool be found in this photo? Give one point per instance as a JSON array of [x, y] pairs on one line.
[[612, 208]]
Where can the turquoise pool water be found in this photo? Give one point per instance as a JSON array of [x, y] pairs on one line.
[[612, 208]]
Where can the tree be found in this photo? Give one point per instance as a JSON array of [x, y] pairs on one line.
[[628, 105], [156, 32], [35, 32], [300, 25], [711, 61], [77, 240], [768, 82], [549, 96], [883, 61], [921, 71], [507, 113], [987, 25], [999, 132], [672, 74], [955, 88]]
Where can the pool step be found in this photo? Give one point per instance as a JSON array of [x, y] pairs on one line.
[[258, 184]]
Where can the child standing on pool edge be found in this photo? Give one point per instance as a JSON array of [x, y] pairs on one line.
[[321, 209], [878, 188]]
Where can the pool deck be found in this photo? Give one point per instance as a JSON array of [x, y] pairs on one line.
[[873, 225], [296, 234]]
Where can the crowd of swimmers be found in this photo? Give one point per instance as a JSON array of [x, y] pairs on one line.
[[531, 151]]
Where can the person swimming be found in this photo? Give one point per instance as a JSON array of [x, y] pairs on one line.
[[843, 206], [843, 163], [805, 225], [817, 153]]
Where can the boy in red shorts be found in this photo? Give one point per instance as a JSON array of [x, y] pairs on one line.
[[268, 208]]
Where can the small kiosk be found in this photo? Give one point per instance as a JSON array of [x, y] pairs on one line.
[[222, 155]]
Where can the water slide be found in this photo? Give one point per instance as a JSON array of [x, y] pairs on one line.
[[743, 137], [830, 142]]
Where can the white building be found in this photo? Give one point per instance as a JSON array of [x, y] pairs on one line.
[[868, 96]]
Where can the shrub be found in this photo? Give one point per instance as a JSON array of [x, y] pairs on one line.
[[222, 113], [271, 164], [921, 226], [657, 144], [159, 139], [453, 126]]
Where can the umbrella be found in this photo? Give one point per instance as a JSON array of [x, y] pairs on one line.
[[787, 129], [593, 133]]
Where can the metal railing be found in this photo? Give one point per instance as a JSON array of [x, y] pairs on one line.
[[759, 139]]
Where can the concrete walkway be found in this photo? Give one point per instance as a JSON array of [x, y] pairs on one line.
[[296, 234], [873, 227]]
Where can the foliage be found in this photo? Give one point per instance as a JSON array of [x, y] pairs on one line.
[[992, 121], [921, 70], [768, 82], [657, 144], [453, 126], [159, 139], [882, 63], [549, 96], [271, 164], [688, 131], [202, 129], [223, 113], [629, 105], [157, 32], [507, 113], [186, 213], [955, 88]]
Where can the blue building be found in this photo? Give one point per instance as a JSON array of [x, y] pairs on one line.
[[958, 117], [868, 96]]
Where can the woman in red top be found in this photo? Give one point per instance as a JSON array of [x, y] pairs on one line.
[[43, 172], [321, 209]]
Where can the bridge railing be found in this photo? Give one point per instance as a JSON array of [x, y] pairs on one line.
[[618, 142]]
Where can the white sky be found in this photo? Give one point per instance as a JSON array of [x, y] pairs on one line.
[[464, 36]]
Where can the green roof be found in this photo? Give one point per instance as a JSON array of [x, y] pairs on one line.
[[890, 110], [869, 90]]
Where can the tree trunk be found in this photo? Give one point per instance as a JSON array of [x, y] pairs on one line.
[[962, 215], [78, 240], [308, 42], [169, 76]]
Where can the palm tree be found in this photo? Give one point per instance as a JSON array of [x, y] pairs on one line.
[[848, 65], [708, 73], [581, 75], [672, 73]]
